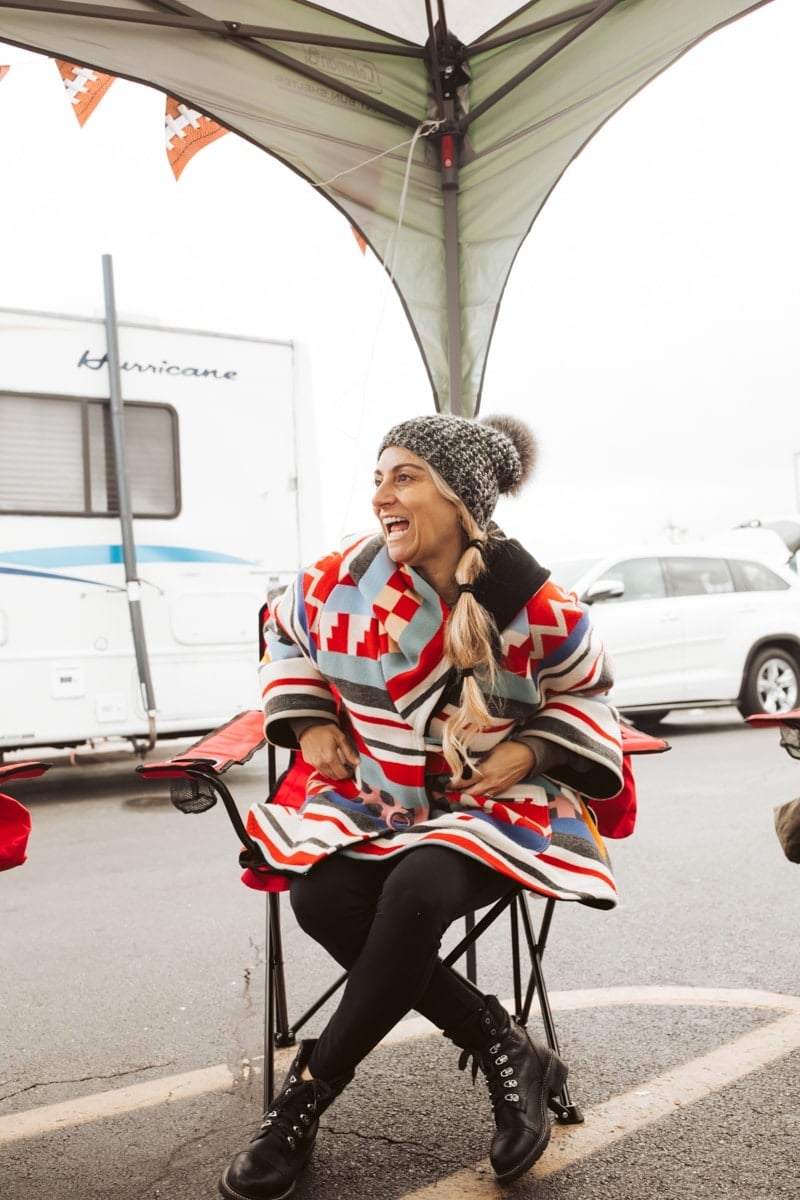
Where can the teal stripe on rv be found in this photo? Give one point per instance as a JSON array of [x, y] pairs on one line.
[[102, 555]]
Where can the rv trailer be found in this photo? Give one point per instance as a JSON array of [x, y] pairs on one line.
[[221, 495]]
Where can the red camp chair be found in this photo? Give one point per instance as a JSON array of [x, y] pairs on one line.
[[195, 778], [786, 816], [788, 725], [790, 719], [15, 820]]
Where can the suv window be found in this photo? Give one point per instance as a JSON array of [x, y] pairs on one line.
[[755, 577], [642, 578], [698, 576]]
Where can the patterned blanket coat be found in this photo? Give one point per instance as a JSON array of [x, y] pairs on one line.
[[360, 639]]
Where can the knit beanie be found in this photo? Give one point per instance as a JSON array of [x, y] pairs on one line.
[[480, 460]]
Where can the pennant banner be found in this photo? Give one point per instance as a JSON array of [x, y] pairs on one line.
[[85, 87], [362, 245], [4, 71], [187, 131]]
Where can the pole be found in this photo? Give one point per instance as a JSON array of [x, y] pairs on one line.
[[132, 582], [451, 261]]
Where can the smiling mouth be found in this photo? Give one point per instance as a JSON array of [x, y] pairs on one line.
[[395, 527]]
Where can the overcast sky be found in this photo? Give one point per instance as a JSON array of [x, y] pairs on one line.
[[649, 333]]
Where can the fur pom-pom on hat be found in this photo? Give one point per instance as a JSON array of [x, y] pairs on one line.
[[525, 445], [480, 460]]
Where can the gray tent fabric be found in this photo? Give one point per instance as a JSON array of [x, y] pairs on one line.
[[439, 128]]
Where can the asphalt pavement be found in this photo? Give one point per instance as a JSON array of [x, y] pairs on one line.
[[132, 1003]]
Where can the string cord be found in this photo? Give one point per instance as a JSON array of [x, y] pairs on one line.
[[350, 429]]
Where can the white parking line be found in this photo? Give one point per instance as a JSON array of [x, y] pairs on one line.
[[617, 1118], [605, 1124]]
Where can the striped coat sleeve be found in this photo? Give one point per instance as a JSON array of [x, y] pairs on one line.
[[291, 684], [573, 674]]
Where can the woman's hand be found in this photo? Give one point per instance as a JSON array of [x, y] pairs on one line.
[[329, 751], [502, 767]]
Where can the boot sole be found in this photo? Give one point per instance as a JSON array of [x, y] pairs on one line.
[[553, 1080]]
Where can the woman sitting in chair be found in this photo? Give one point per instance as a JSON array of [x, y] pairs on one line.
[[450, 700]]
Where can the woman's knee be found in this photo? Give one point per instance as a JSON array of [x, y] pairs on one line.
[[415, 898], [436, 885]]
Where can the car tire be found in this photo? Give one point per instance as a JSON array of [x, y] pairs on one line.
[[772, 683], [650, 717]]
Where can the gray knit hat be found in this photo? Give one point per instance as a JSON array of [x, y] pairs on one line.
[[480, 460]]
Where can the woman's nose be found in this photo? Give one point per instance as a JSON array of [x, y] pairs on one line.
[[382, 493]]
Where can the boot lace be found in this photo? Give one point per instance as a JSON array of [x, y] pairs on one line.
[[292, 1114], [499, 1071]]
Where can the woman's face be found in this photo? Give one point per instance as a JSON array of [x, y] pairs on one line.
[[420, 525]]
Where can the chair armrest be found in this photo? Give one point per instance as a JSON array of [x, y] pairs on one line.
[[196, 772], [233, 743], [23, 770], [790, 718], [636, 742]]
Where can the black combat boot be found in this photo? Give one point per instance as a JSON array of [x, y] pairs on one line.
[[269, 1167], [521, 1076]]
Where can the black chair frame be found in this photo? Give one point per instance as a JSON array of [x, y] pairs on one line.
[[200, 773]]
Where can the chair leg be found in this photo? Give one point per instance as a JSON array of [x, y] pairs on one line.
[[277, 1030], [566, 1110], [283, 1031], [472, 959], [520, 1011], [269, 1011]]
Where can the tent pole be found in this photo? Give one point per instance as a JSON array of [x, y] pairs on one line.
[[132, 582], [451, 260]]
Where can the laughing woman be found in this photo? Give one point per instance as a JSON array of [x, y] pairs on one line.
[[449, 698]]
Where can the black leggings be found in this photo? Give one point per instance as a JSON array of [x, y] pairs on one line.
[[384, 922]]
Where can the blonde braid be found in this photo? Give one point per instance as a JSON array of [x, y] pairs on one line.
[[469, 640]]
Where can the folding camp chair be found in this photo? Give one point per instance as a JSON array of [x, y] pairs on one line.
[[786, 816], [195, 778], [15, 820], [789, 719]]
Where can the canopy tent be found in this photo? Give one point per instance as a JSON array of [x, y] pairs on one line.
[[439, 133]]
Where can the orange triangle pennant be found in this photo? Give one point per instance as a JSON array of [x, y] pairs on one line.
[[4, 71], [362, 243], [85, 87], [187, 131]]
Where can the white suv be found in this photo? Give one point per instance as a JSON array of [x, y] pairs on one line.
[[695, 626]]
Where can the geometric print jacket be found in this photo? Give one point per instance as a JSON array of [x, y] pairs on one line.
[[359, 639]]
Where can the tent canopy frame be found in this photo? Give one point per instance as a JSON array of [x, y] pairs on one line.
[[585, 70]]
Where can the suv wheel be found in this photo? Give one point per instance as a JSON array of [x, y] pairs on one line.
[[648, 717], [772, 684]]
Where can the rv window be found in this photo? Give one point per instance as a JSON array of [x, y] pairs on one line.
[[56, 456]]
